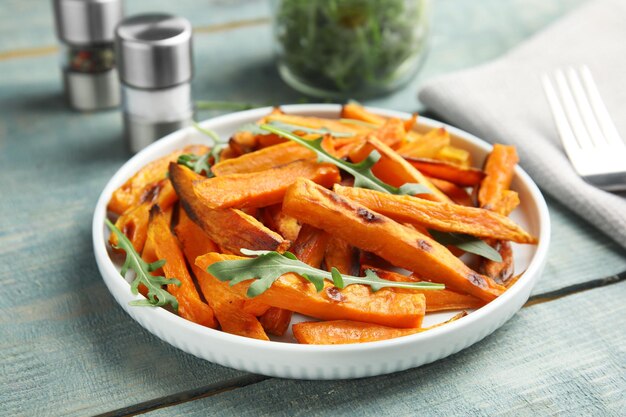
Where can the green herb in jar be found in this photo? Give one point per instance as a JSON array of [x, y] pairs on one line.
[[350, 48]]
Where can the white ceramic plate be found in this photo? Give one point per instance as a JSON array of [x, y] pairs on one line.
[[291, 360]]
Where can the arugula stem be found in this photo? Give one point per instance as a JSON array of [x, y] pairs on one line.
[[224, 105], [157, 296]]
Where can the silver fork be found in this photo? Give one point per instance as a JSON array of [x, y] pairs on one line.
[[587, 132]]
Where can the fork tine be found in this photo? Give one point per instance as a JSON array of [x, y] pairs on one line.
[[602, 114], [571, 110], [568, 139], [584, 108]]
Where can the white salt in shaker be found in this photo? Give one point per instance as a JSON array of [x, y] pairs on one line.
[[86, 30], [155, 66]]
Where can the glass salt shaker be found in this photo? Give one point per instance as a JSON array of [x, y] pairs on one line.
[[86, 29], [155, 64]]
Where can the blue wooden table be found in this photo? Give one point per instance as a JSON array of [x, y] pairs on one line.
[[66, 348]]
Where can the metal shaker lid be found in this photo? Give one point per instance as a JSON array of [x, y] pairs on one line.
[[154, 50], [82, 22]]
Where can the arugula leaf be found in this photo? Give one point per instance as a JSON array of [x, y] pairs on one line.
[[197, 163], [468, 243], [157, 296], [202, 163], [362, 172], [268, 266]]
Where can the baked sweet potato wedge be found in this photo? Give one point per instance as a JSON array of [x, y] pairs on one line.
[[309, 248], [456, 174], [274, 218], [440, 300], [439, 216], [276, 320], [318, 123], [263, 159], [134, 222], [162, 244], [229, 308], [261, 188], [220, 224], [341, 255], [427, 145], [341, 332], [499, 170], [455, 193], [402, 246]]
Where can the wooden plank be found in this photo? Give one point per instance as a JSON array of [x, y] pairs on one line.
[[31, 24], [578, 252], [560, 358]]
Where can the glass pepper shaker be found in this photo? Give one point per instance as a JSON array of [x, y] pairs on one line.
[[86, 29], [155, 64]]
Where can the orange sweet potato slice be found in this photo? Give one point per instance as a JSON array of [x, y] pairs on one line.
[[358, 112], [427, 145], [262, 188], [341, 255], [439, 216], [440, 300], [494, 194], [355, 302], [454, 155], [457, 194], [465, 177], [220, 224], [340, 332], [310, 245], [499, 170], [134, 222], [318, 123], [164, 245], [309, 248], [263, 159], [402, 246], [229, 308], [274, 218], [276, 320]]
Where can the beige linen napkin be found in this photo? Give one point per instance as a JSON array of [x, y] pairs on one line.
[[503, 101]]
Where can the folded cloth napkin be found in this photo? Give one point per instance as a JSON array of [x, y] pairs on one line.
[[503, 101]]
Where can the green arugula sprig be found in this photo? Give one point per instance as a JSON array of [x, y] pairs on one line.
[[202, 163], [157, 296], [197, 163], [362, 172], [468, 243], [268, 266]]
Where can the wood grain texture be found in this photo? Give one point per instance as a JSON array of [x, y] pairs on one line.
[[68, 349], [29, 24], [561, 358]]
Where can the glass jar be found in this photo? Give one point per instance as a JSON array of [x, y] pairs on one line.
[[350, 48]]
